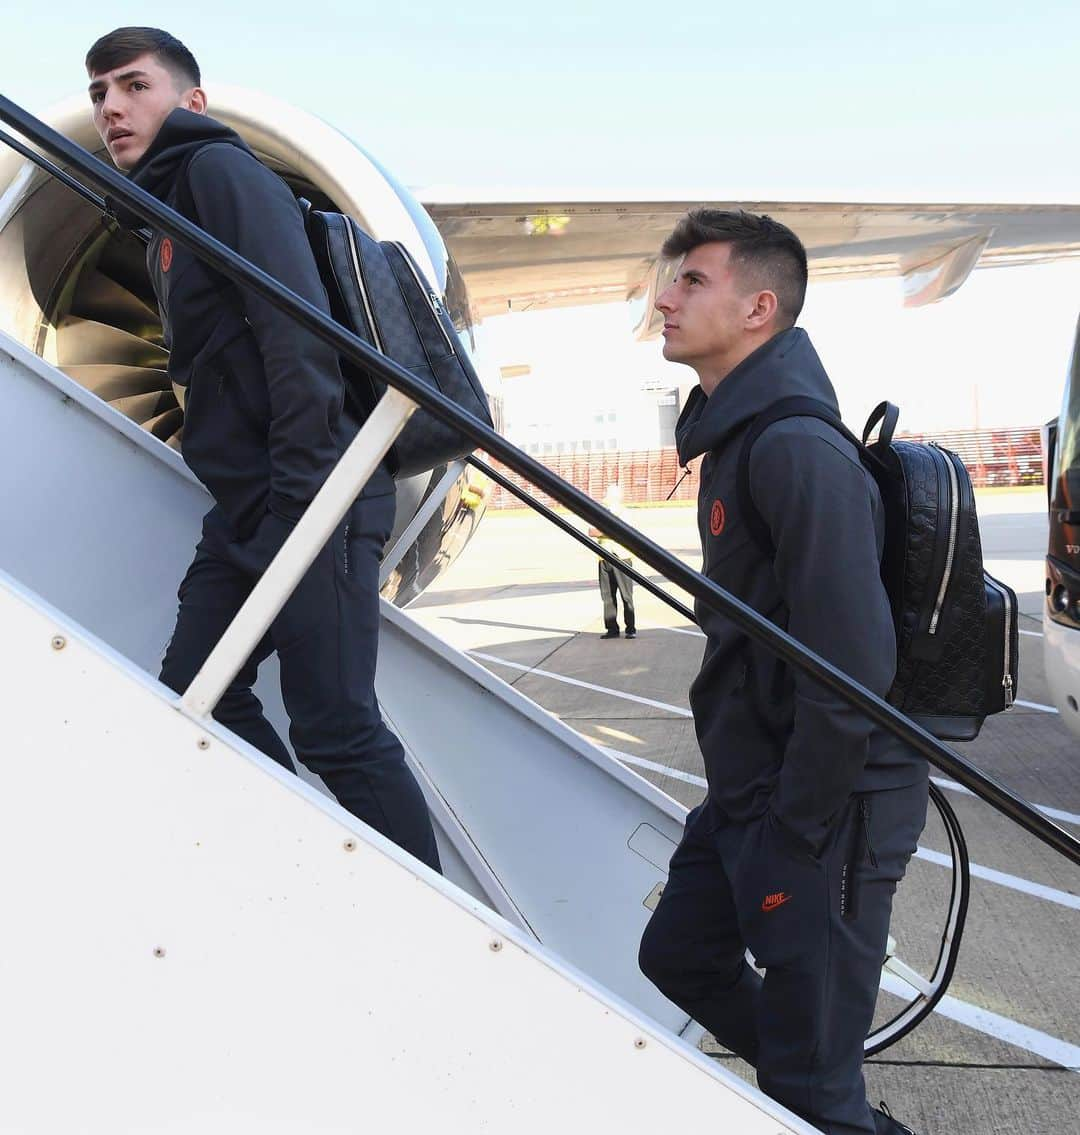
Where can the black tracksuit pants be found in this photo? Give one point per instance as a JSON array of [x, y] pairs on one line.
[[326, 638], [615, 582], [817, 926]]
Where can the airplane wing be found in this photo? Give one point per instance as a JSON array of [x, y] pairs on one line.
[[529, 254]]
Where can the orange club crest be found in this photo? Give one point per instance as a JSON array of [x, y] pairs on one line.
[[166, 254], [716, 517]]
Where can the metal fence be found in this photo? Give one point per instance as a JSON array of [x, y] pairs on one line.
[[648, 476]]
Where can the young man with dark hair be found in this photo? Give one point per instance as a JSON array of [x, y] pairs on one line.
[[812, 812], [266, 420]]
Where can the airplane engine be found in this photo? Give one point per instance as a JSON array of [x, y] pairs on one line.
[[74, 288]]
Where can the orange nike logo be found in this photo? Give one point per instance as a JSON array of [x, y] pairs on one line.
[[771, 902]]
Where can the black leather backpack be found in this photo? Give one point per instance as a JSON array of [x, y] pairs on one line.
[[377, 290], [956, 626]]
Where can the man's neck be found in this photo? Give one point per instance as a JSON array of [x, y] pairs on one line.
[[713, 371]]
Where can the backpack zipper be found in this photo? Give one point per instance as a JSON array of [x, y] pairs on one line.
[[433, 299], [1006, 681], [954, 518], [363, 287]]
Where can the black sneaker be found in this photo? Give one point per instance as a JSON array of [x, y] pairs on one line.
[[631, 634], [884, 1124], [610, 634]]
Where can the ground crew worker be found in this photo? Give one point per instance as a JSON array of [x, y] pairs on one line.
[[812, 812], [614, 582], [266, 420]]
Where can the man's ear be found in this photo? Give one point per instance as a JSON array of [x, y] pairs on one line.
[[195, 100], [763, 312]]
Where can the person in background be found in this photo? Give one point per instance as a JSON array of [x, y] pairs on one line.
[[614, 583]]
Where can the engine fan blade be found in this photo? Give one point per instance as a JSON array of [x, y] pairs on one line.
[[86, 341], [166, 426], [123, 259], [102, 300], [145, 408], [109, 381]]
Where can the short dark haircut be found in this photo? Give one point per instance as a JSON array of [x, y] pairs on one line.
[[766, 252], [125, 44]]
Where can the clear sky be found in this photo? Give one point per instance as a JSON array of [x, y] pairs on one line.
[[859, 101]]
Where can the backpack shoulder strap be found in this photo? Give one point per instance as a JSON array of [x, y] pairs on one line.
[[796, 407]]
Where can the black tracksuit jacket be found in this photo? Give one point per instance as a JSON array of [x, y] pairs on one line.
[[265, 416], [773, 739]]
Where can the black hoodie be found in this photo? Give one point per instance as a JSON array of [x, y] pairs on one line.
[[773, 739], [264, 422]]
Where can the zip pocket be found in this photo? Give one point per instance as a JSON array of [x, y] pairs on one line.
[[864, 823], [861, 848]]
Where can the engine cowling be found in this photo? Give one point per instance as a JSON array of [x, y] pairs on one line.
[[74, 287]]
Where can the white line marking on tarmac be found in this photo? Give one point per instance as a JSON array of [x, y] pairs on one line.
[[951, 785], [1036, 705], [649, 701], [700, 634], [993, 1024], [584, 685], [653, 766], [1053, 813], [1013, 882], [973, 1016]]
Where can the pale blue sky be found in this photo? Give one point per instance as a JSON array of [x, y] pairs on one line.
[[875, 99], [886, 101]]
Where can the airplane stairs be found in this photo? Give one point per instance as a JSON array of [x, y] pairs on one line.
[[196, 940]]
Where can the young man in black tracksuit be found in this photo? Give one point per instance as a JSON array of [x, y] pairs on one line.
[[266, 420], [812, 812]]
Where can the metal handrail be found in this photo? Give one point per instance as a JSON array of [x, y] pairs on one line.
[[234, 267]]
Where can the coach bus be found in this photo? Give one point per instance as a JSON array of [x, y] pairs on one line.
[[1061, 616]]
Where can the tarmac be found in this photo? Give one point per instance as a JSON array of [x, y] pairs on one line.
[[1001, 1054]]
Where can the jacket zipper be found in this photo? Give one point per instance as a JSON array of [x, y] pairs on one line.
[[433, 299], [1006, 681], [954, 519], [354, 252]]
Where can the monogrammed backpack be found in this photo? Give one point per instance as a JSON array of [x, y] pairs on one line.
[[956, 626]]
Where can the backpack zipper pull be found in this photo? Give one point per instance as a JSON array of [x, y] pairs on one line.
[[1007, 685]]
